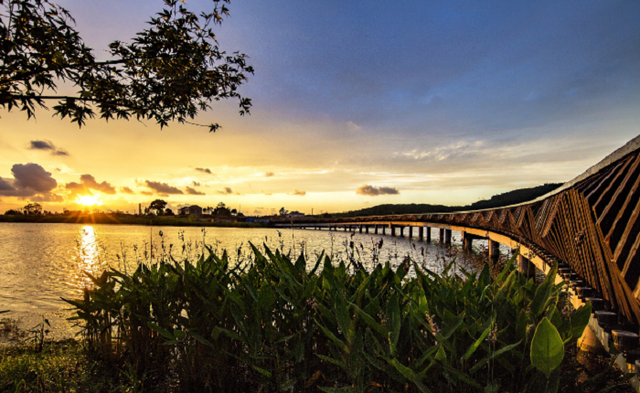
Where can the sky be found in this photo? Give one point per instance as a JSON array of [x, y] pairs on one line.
[[355, 104]]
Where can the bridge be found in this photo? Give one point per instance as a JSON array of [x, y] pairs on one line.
[[589, 226]]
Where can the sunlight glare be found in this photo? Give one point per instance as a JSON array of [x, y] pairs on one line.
[[88, 200]]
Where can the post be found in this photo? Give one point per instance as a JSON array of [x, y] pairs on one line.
[[441, 235], [467, 241], [366, 228], [360, 227], [410, 232], [393, 230], [421, 233], [526, 267], [428, 230], [375, 229], [494, 249], [447, 237]]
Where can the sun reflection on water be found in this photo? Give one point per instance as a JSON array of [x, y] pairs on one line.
[[89, 258]]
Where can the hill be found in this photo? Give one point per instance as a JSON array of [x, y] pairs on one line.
[[505, 199]]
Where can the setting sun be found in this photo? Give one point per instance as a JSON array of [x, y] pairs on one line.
[[88, 200]]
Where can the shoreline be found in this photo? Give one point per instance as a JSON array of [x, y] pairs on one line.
[[128, 219]]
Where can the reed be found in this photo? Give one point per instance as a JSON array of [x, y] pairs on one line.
[[276, 324]]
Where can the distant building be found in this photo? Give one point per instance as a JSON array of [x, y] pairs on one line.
[[189, 210]]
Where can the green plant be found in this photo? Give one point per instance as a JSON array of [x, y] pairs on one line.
[[276, 324], [39, 334]]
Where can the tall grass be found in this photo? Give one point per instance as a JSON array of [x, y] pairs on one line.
[[273, 324]]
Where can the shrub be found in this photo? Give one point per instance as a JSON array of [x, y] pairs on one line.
[[276, 324]]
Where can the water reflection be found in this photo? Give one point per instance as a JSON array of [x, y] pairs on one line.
[[40, 263], [89, 257]]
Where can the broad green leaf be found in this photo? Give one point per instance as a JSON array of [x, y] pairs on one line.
[[262, 371], [332, 361], [493, 356], [479, 341], [370, 321], [409, 374], [163, 332], [579, 321], [547, 349], [441, 355]]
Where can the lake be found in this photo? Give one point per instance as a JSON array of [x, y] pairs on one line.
[[42, 263]]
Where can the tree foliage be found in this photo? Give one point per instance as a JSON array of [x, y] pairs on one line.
[[32, 209], [170, 71], [221, 210], [158, 206]]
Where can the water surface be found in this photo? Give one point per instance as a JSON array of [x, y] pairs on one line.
[[42, 263]]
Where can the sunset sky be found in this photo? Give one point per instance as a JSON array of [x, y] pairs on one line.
[[355, 103]]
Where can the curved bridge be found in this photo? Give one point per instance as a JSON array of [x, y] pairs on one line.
[[591, 223]]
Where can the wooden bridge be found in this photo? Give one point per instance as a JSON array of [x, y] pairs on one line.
[[590, 224]]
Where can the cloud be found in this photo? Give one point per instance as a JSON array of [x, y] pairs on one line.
[[192, 191], [298, 192], [226, 191], [147, 193], [5, 186], [369, 190], [77, 188], [88, 183], [195, 184], [47, 198], [126, 190], [269, 174], [162, 189], [205, 170], [104, 187], [353, 126], [29, 180], [47, 146]]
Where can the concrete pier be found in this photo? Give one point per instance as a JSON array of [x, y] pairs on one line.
[[494, 249], [467, 241], [526, 267]]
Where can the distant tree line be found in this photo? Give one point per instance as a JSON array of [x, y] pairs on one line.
[[31, 209], [504, 199]]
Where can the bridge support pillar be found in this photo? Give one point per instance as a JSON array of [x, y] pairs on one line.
[[360, 227], [392, 229], [526, 267], [467, 241], [421, 233], [494, 249], [441, 238], [428, 233], [447, 237], [366, 229], [375, 229]]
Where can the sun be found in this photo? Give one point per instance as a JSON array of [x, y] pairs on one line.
[[88, 200]]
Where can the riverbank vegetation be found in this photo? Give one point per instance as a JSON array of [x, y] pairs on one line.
[[275, 324]]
